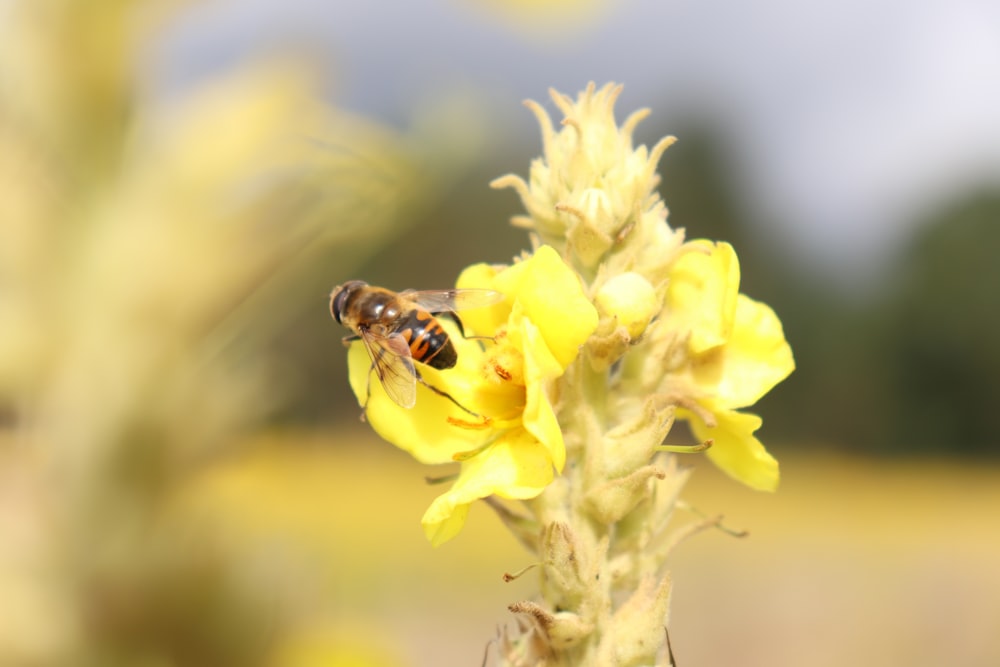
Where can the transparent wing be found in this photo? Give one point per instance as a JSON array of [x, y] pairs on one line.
[[393, 364], [452, 300]]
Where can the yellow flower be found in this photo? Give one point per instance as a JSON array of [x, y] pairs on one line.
[[733, 352], [513, 449]]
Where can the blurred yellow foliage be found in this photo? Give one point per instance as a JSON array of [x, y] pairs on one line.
[[148, 250], [899, 548], [339, 645]]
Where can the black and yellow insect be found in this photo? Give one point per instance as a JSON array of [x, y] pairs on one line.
[[400, 328]]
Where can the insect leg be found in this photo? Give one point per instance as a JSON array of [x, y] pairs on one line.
[[445, 394], [456, 319], [461, 328]]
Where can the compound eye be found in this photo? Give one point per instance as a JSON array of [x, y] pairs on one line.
[[339, 299]]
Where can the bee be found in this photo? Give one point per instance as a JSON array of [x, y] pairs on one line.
[[400, 328]]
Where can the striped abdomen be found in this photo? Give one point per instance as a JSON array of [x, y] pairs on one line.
[[428, 341]]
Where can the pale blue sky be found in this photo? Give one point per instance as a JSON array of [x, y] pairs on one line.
[[845, 119]]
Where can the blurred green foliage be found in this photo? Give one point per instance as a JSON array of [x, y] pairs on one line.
[[907, 366], [942, 335]]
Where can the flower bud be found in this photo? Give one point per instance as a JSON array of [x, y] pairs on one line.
[[563, 629], [631, 299], [609, 502], [637, 626]]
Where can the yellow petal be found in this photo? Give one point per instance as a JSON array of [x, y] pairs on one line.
[[444, 520], [553, 299], [735, 449], [424, 430], [754, 359], [483, 321], [702, 294], [540, 368], [516, 466]]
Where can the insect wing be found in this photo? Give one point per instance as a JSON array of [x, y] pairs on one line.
[[452, 300], [393, 364]]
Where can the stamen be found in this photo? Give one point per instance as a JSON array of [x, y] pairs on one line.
[[502, 372], [472, 426]]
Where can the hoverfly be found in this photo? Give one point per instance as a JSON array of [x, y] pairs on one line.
[[398, 328]]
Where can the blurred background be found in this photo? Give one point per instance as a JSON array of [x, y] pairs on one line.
[[183, 476]]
